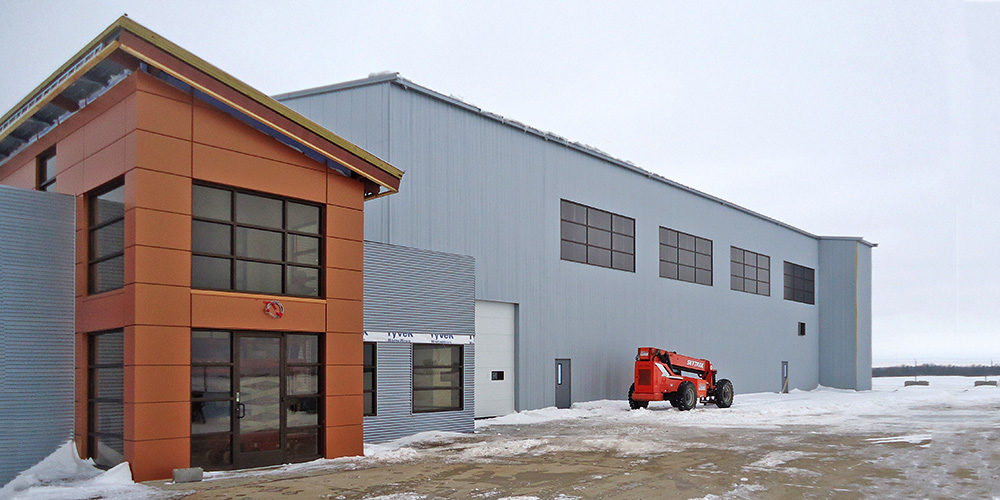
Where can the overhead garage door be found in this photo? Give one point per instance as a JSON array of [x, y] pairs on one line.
[[494, 358]]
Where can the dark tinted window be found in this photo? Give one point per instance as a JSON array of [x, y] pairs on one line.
[[596, 237], [105, 397], [800, 283], [437, 377], [685, 257], [370, 378], [45, 175], [255, 243], [106, 237], [749, 271]]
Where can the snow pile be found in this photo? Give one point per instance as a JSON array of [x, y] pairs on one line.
[[63, 475]]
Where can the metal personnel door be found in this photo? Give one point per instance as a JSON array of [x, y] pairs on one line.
[[563, 396], [258, 401], [784, 376]]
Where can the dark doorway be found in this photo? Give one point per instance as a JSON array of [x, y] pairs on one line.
[[563, 394], [255, 398]]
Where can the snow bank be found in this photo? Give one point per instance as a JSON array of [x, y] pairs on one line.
[[63, 475]]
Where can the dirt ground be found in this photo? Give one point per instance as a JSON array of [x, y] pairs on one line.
[[580, 458]]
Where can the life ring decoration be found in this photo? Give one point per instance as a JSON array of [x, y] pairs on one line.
[[274, 309]]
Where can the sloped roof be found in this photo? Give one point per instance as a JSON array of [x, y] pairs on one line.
[[396, 79], [126, 46]]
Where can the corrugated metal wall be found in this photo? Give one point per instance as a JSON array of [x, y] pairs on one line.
[[475, 186], [37, 256], [416, 291], [845, 323]]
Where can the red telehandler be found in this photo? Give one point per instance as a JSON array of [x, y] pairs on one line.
[[658, 378]]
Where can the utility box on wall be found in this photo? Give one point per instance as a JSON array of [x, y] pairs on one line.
[[37, 260]]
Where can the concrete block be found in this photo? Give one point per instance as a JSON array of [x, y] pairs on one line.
[[986, 382], [189, 475], [907, 383]]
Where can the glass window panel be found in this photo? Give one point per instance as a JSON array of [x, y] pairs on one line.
[[763, 275], [210, 417], [811, 297], [107, 274], [107, 206], [736, 269], [303, 218], [750, 285], [798, 296], [763, 288], [797, 271], [211, 203], [685, 257], [48, 167], [668, 270], [623, 261], [302, 348], [749, 257], [789, 280], [434, 378], [258, 244], [107, 240], [209, 237], [598, 256], [735, 254], [109, 348], [427, 355], [109, 417], [685, 273], [789, 269], [703, 246], [702, 261], [258, 277], [749, 272], [108, 451], [302, 281], [258, 210], [599, 219], [210, 347], [671, 238], [212, 451], [704, 277], [436, 400], [685, 241], [574, 251], [210, 382], [789, 293], [369, 381], [302, 412], [369, 354], [573, 212], [302, 443], [598, 237], [302, 380], [369, 404], [763, 262], [210, 272], [668, 253], [108, 383], [810, 274], [623, 243], [573, 232], [736, 283], [623, 225]]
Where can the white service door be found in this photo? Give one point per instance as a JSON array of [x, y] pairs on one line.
[[494, 353]]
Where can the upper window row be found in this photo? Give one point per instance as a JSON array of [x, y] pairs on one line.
[[251, 242], [598, 237]]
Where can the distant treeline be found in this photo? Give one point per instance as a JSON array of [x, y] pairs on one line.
[[931, 369]]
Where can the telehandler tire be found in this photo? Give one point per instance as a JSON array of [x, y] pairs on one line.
[[633, 404], [686, 396], [724, 393]]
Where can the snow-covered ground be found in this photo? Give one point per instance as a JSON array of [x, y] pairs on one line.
[[950, 419]]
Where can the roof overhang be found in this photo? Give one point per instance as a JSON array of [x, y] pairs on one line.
[[126, 47]]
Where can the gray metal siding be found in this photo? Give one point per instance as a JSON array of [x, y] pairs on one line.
[[394, 412], [416, 291], [844, 289], [475, 186], [37, 256]]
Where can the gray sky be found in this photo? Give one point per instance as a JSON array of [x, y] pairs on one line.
[[876, 119]]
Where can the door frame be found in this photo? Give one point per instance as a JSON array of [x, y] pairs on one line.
[[567, 377], [246, 460]]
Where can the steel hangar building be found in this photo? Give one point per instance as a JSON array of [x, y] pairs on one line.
[[581, 257]]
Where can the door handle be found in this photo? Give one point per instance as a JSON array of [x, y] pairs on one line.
[[241, 410]]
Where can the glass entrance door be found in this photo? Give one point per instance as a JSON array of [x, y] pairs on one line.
[[258, 401]]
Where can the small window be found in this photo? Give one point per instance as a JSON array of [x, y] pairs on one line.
[[437, 377], [802, 329], [252, 242], [596, 237], [685, 257], [800, 283], [496, 375], [749, 271], [106, 231], [45, 171], [105, 397], [371, 381]]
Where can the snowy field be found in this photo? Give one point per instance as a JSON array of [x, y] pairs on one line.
[[893, 441]]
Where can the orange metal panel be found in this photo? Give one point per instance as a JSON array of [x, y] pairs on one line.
[[344, 380], [344, 192], [344, 349], [157, 420], [160, 345], [344, 441], [105, 165], [153, 85], [344, 284], [161, 115], [261, 174], [157, 229], [157, 190], [246, 312], [345, 316], [70, 181], [157, 458], [70, 150], [162, 153], [157, 384], [105, 311], [345, 254], [345, 223], [344, 410], [162, 305], [159, 266], [215, 128], [24, 177], [106, 128]]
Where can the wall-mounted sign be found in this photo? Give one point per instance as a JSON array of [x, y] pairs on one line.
[[274, 309], [419, 338]]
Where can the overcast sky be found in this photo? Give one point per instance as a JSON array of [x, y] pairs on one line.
[[874, 119]]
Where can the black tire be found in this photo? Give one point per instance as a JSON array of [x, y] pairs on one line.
[[724, 393], [633, 404], [686, 396], [673, 400]]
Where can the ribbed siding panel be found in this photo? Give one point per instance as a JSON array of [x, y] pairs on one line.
[[416, 291], [844, 314], [395, 418], [37, 289]]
